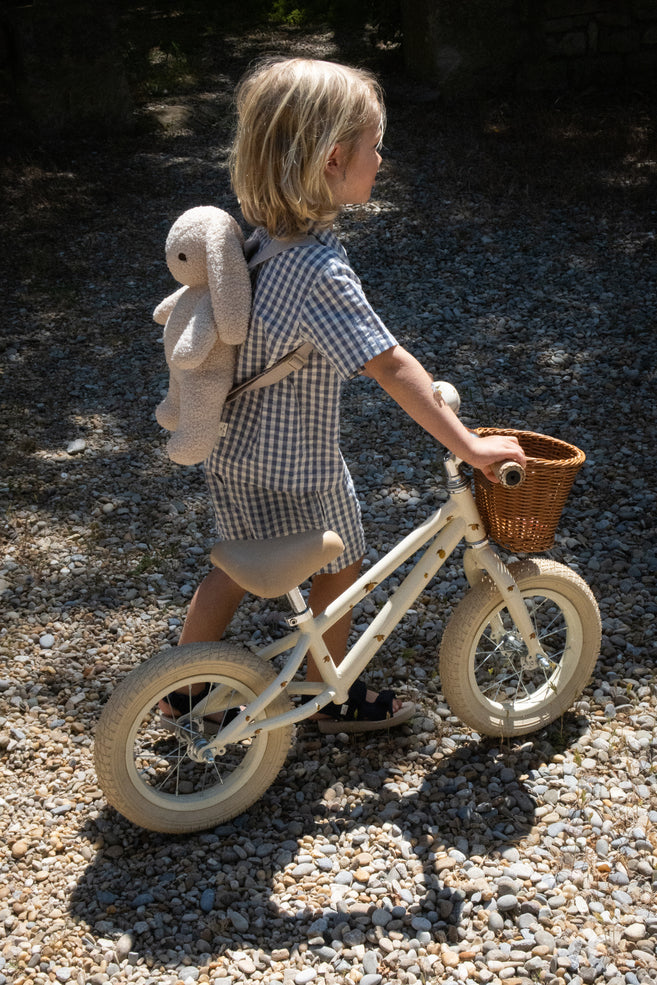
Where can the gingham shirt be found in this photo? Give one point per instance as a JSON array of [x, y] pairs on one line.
[[285, 437]]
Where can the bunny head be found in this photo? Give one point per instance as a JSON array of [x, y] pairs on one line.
[[205, 247], [187, 242]]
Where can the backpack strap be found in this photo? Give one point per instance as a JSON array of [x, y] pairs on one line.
[[297, 358], [276, 246], [290, 363]]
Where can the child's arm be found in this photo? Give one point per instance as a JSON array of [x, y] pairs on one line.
[[402, 376]]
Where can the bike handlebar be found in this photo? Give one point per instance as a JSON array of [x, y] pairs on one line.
[[509, 474]]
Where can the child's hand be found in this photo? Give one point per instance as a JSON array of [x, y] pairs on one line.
[[493, 449]]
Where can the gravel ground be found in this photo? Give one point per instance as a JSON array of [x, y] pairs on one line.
[[513, 250]]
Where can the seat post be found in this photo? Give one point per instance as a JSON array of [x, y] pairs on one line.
[[297, 601]]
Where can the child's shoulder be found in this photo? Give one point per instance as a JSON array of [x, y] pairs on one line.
[[315, 254], [329, 256]]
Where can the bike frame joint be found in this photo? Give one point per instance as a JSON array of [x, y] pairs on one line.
[[456, 481], [302, 611]]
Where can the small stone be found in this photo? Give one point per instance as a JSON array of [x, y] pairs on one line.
[[207, 900], [123, 946], [305, 976], [495, 921], [239, 922], [449, 958], [305, 869], [47, 641], [143, 899], [370, 963], [19, 849]]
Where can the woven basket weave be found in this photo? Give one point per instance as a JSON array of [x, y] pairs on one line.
[[525, 518]]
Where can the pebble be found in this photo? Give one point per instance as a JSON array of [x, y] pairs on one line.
[[76, 447], [123, 946], [207, 900], [305, 976], [430, 854], [238, 921]]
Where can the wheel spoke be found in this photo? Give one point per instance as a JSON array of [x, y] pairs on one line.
[[501, 670]]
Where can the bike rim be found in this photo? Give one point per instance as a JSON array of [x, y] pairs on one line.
[[501, 673], [159, 763]]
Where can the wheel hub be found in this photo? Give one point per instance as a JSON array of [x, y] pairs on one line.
[[512, 648], [199, 751]]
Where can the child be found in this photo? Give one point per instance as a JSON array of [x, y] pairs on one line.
[[308, 140]]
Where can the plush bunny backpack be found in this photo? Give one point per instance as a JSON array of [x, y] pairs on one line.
[[204, 323]]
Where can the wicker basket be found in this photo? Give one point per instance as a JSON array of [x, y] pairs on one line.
[[525, 518]]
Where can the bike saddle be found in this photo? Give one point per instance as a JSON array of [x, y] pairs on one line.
[[270, 568]]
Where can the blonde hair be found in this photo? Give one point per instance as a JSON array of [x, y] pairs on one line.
[[291, 114]]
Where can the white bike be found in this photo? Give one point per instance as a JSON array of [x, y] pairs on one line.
[[516, 653]]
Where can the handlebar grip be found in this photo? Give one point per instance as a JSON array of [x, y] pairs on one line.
[[510, 474], [448, 393]]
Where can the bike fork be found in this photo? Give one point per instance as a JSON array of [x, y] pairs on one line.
[[489, 561], [480, 556]]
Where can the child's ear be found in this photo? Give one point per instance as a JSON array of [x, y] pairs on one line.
[[334, 163]]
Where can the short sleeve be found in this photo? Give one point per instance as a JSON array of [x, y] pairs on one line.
[[339, 321]]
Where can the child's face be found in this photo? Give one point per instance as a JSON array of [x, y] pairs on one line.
[[351, 181]]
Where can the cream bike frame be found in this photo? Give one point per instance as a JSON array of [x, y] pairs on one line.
[[458, 519]]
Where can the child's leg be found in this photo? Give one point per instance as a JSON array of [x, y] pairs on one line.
[[213, 606], [326, 588], [218, 596]]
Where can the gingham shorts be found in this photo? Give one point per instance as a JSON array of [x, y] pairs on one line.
[[244, 512]]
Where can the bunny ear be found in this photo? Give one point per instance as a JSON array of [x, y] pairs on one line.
[[228, 279]]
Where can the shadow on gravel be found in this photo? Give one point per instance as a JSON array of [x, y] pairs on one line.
[[224, 889], [87, 224]]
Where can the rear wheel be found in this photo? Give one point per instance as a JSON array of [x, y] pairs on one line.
[[488, 678], [155, 773]]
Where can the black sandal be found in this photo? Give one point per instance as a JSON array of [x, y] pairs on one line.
[[360, 715]]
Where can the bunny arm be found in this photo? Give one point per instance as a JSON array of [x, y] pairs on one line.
[[198, 338], [165, 307]]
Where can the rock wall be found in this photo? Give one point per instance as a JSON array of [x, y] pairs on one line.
[[531, 44]]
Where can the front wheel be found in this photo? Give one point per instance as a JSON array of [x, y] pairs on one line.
[[488, 678], [155, 774]]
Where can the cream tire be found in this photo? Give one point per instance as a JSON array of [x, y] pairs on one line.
[[488, 680], [146, 771]]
